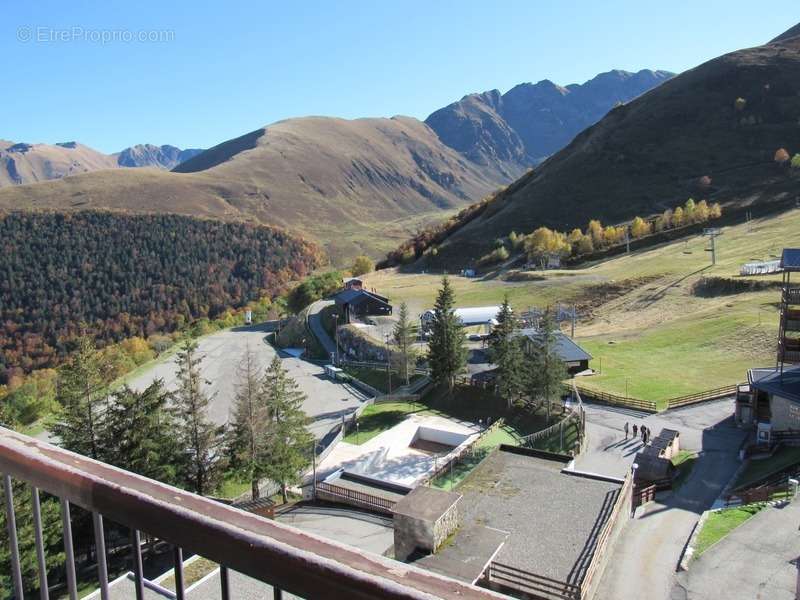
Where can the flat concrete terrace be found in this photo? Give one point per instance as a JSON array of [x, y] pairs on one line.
[[553, 518], [392, 456]]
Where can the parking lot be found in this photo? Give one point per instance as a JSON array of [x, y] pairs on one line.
[[222, 354]]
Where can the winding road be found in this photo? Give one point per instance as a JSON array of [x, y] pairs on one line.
[[646, 555]]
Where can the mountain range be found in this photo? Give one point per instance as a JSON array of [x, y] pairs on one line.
[[22, 163], [356, 186], [713, 132], [520, 128]]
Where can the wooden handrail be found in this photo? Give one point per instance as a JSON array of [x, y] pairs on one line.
[[298, 562]]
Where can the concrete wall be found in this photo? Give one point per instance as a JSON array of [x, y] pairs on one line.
[[785, 414], [441, 436]]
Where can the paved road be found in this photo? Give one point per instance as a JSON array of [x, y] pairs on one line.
[[647, 552], [315, 323], [754, 561], [223, 352]]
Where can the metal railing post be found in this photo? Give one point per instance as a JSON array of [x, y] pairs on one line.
[[100, 551], [44, 593], [69, 551], [225, 589], [11, 523], [138, 576], [177, 554]]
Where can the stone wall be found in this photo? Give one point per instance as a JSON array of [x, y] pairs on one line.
[[446, 525], [359, 346]]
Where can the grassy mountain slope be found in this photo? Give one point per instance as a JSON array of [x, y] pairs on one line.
[[650, 154], [28, 163], [639, 318], [356, 186]]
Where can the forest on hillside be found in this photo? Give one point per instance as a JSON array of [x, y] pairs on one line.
[[114, 276]]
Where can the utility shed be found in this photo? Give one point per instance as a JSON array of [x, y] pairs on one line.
[[423, 520]]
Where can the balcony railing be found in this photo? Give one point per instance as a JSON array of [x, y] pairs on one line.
[[282, 556]]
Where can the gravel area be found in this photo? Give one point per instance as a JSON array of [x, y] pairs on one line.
[[553, 518]]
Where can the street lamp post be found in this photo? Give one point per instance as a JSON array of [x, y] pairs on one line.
[[389, 363], [336, 335]]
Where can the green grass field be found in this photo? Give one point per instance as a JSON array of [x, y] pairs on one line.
[[468, 403], [654, 337], [720, 523], [452, 478]]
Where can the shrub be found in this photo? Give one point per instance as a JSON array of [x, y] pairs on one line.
[[362, 265], [740, 104], [796, 161]]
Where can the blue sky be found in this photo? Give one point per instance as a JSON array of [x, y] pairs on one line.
[[222, 69]]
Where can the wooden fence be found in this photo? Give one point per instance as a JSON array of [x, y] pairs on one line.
[[606, 538], [615, 400], [537, 586], [575, 417], [328, 491], [728, 390]]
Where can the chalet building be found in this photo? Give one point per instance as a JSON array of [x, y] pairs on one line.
[[575, 358], [353, 283], [770, 400], [357, 304]]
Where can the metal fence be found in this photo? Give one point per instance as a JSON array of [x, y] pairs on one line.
[[280, 556], [329, 491], [530, 584]]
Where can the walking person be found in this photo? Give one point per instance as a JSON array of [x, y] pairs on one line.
[[635, 430], [626, 430], [643, 429]]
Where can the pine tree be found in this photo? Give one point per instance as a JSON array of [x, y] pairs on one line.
[[51, 536], [289, 442], [82, 392], [404, 335], [140, 427], [198, 437], [249, 430], [546, 369], [505, 351], [446, 350]]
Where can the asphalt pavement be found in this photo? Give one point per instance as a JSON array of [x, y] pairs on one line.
[[645, 556], [222, 353]]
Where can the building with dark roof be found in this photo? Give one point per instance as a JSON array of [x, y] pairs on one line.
[[770, 400], [575, 358], [358, 303]]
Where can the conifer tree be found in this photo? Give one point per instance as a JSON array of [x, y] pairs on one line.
[[290, 443], [198, 437], [141, 433], [404, 334], [82, 392], [249, 430], [505, 351], [446, 350], [51, 537], [546, 370]]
